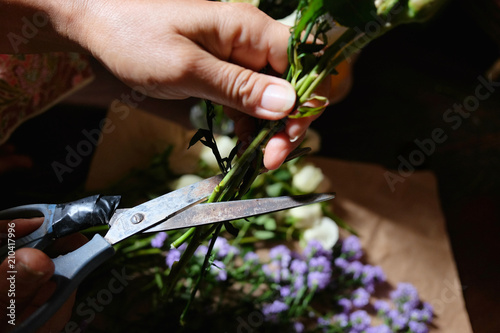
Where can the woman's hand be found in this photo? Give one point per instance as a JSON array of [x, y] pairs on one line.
[[172, 49], [176, 49], [32, 278]]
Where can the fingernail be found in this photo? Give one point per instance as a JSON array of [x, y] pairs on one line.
[[278, 98], [294, 131], [26, 270]]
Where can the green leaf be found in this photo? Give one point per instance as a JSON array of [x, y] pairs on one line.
[[263, 234], [270, 224], [274, 190]]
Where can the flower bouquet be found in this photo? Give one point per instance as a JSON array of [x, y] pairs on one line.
[[285, 271], [291, 271]]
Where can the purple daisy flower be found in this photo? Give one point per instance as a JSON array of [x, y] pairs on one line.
[[321, 264], [219, 269], [285, 291], [159, 239], [382, 307], [271, 310], [319, 279], [172, 256], [323, 322], [298, 267], [341, 263], [341, 319], [360, 298], [281, 254], [379, 274], [298, 282], [417, 327], [251, 257], [298, 327], [405, 297], [314, 249], [351, 246], [346, 304], [223, 248], [398, 320], [201, 251], [360, 320], [355, 268], [427, 312]]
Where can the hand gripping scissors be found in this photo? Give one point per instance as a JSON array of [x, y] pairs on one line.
[[182, 208]]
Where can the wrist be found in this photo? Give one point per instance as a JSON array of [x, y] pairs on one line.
[[35, 26]]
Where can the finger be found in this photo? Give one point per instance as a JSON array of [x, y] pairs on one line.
[[297, 127], [66, 244], [278, 148], [224, 70], [57, 322], [18, 227], [245, 35], [32, 268], [256, 94]]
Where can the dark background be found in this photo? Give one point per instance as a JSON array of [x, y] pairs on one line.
[[403, 84]]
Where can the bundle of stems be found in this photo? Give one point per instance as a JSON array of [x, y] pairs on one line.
[[312, 58]]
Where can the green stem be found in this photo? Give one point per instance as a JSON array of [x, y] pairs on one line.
[[182, 238], [178, 267], [202, 273]]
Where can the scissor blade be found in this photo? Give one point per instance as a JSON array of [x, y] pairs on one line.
[[135, 220], [233, 210]]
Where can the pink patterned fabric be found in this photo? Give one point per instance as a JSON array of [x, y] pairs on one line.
[[31, 84]]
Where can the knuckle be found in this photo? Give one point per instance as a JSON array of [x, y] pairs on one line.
[[243, 89]]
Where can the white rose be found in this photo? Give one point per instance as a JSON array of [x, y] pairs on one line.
[[326, 232], [225, 144], [185, 180], [307, 178], [306, 216]]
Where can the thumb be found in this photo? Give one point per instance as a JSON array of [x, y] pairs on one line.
[[259, 95]]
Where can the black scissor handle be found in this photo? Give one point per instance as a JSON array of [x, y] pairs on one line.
[[61, 219], [70, 270]]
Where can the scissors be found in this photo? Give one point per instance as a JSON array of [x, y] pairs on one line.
[[182, 208]]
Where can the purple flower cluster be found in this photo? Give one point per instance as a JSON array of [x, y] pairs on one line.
[[174, 255], [219, 270], [222, 248], [408, 313], [348, 263], [159, 239], [405, 312], [297, 278], [295, 274]]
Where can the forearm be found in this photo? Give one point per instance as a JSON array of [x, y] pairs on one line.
[[35, 26]]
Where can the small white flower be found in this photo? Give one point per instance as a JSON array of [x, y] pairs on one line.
[[306, 216], [185, 180], [326, 232], [225, 144], [308, 178]]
